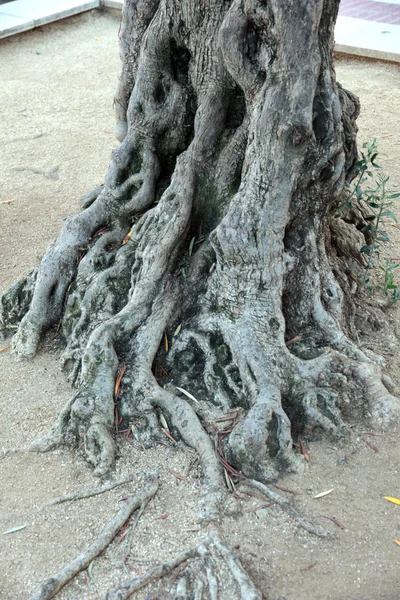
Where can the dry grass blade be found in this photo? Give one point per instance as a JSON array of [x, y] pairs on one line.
[[4, 349]]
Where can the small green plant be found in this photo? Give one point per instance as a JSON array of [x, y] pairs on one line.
[[371, 187], [388, 282]]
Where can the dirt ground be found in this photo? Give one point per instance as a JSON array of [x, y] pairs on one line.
[[56, 133]]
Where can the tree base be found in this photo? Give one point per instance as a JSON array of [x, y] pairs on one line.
[[207, 279]]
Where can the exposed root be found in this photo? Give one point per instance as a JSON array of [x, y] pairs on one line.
[[90, 197], [52, 585], [184, 418], [210, 552], [133, 525], [126, 590], [266, 426], [235, 144], [9, 451], [79, 495], [334, 386], [15, 301], [302, 521]]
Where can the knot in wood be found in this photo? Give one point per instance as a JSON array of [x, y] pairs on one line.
[[299, 133]]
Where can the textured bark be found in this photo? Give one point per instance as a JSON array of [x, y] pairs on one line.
[[236, 142]]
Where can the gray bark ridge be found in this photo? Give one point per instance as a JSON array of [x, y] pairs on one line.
[[236, 141]]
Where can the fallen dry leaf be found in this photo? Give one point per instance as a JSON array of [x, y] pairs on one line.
[[127, 237], [163, 422], [187, 394], [391, 499], [228, 480], [322, 494], [14, 529], [4, 349], [118, 382]]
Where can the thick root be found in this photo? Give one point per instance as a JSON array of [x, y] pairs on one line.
[[52, 585], [334, 387], [15, 302], [211, 220], [301, 520], [212, 555], [261, 444]]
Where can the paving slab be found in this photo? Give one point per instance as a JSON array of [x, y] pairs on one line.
[[116, 3], [47, 11], [368, 38], [371, 10], [368, 28], [10, 24]]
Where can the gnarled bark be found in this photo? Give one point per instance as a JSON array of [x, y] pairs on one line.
[[236, 142]]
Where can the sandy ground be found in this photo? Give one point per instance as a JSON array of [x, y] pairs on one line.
[[56, 135]]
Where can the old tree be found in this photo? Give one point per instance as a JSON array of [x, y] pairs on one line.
[[211, 260]]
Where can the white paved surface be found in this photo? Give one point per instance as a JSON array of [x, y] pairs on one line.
[[353, 36], [10, 24], [118, 3], [38, 13], [368, 38]]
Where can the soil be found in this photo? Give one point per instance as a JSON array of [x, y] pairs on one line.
[[56, 136]]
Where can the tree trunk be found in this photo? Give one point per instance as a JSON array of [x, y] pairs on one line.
[[236, 142]]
